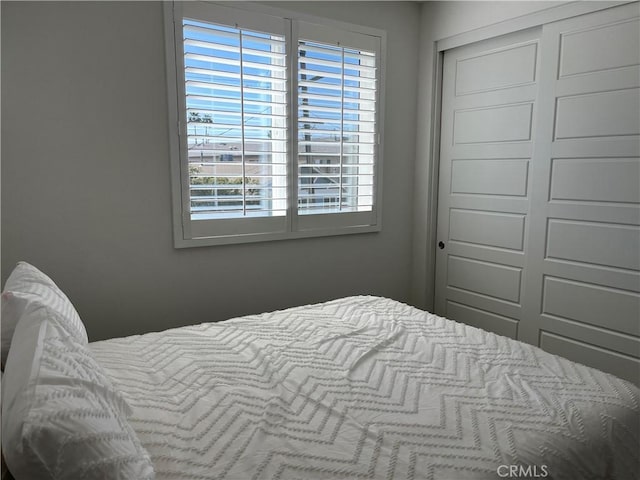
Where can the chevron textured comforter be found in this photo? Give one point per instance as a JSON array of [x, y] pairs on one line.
[[368, 388]]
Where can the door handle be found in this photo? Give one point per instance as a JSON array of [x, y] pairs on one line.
[[440, 245]]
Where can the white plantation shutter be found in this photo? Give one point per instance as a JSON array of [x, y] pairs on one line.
[[277, 126], [336, 127], [236, 136]]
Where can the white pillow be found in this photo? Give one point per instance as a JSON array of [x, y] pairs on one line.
[[27, 284], [61, 416]]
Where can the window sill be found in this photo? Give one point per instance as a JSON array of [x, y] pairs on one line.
[[180, 242]]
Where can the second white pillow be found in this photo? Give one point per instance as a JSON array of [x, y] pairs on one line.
[[27, 284]]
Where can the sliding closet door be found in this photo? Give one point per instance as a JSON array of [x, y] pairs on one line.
[[582, 275], [487, 128], [539, 189]]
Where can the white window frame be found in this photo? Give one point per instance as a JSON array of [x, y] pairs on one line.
[[188, 233]]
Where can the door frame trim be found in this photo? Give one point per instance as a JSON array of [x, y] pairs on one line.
[[529, 20]]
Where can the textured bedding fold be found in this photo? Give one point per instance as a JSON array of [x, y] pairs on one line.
[[366, 387]]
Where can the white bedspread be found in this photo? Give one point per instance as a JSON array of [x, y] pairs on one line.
[[366, 387]]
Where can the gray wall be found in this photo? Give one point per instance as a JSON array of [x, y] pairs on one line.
[[85, 175]]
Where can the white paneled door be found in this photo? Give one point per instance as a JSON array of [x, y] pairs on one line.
[[539, 200], [489, 108]]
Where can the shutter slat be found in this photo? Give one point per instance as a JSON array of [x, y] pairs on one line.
[[226, 139], [223, 32], [368, 72], [200, 57], [234, 102], [338, 88], [223, 126], [232, 49], [232, 88], [190, 71], [213, 112]]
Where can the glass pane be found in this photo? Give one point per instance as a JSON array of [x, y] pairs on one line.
[[336, 128], [236, 95]]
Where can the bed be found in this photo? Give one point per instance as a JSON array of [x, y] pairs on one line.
[[359, 387]]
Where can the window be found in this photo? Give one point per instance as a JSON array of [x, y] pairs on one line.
[[274, 125]]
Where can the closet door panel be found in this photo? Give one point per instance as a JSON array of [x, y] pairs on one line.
[[482, 319], [488, 122], [507, 67], [590, 180], [608, 244], [490, 177], [591, 304], [600, 114], [503, 230], [582, 271], [617, 363], [603, 44]]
